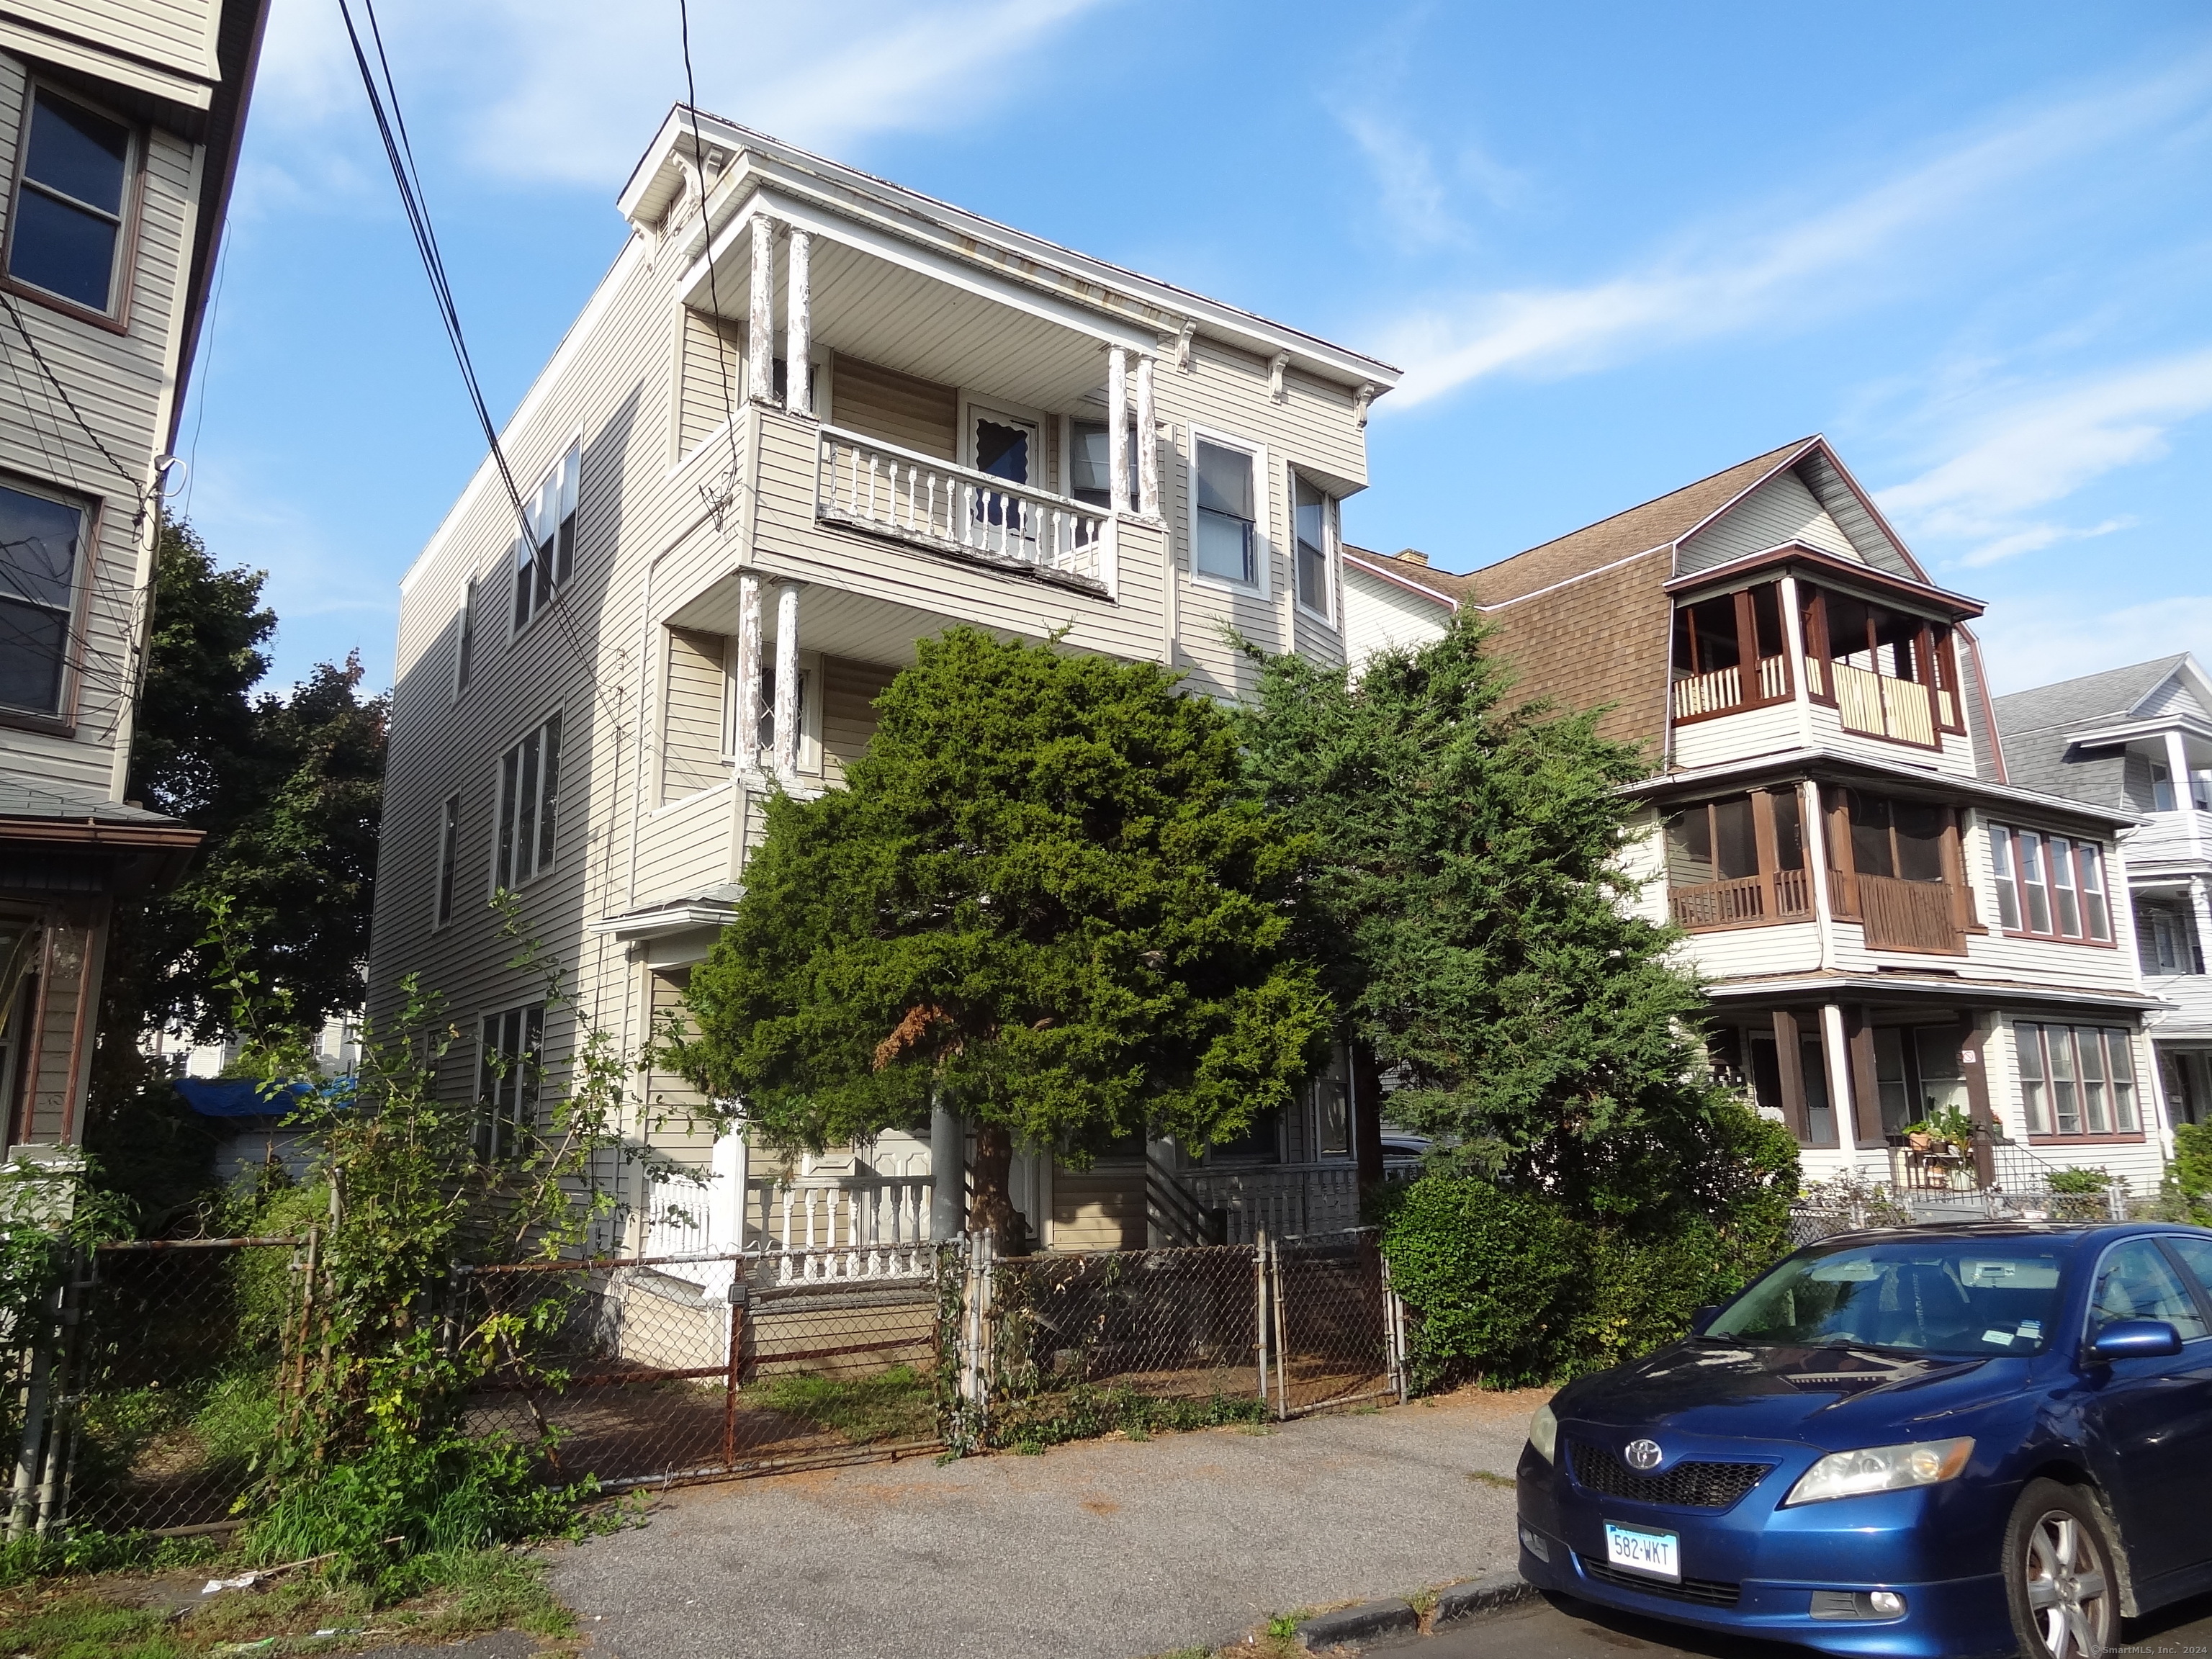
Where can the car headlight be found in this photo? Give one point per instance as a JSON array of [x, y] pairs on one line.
[[1544, 1433], [1881, 1468]]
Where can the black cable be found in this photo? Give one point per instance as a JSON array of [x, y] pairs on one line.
[[137, 487], [707, 222]]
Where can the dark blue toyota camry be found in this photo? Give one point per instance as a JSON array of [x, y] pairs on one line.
[[1939, 1441]]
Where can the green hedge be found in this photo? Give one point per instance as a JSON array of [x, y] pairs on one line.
[[2189, 1179], [1510, 1289]]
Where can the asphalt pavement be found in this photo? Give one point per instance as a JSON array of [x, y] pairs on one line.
[[1559, 1628], [1100, 1550]]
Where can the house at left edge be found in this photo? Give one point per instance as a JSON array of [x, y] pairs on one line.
[[119, 130], [809, 418]]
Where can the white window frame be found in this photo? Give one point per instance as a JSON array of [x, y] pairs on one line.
[[810, 676], [446, 873], [503, 1099], [524, 878], [1263, 547], [1331, 546], [564, 482]]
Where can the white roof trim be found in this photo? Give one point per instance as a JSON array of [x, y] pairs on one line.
[[1406, 582]]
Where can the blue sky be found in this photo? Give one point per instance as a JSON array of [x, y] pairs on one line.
[[1615, 247]]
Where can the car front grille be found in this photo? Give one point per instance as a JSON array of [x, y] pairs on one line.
[[1690, 1485], [1711, 1592]]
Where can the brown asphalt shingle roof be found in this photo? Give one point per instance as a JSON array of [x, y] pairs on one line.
[[1458, 589], [1640, 529]]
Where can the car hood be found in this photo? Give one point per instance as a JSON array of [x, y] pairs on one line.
[[1710, 1388]]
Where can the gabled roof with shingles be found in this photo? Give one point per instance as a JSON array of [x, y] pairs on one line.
[[2091, 697], [1454, 590], [1656, 524]]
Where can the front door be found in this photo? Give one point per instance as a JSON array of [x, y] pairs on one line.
[[2149, 1421]]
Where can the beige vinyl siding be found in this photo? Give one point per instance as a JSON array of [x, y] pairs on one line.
[[1956, 758], [1765, 731], [121, 383], [1780, 510], [1379, 615], [176, 36], [694, 719], [848, 719], [898, 409], [712, 377], [1101, 1209]]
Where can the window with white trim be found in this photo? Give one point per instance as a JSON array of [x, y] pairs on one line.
[[42, 550], [510, 1059], [2051, 886], [1089, 463], [529, 794], [2077, 1080], [449, 849], [1313, 515], [464, 637], [65, 229], [543, 558], [1226, 520]]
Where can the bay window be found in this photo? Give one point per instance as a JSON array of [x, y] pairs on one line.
[[2077, 1080], [2051, 886]]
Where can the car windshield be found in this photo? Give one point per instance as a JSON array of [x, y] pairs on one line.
[[1942, 1296]]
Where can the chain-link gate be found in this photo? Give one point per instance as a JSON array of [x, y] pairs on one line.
[[666, 1369]]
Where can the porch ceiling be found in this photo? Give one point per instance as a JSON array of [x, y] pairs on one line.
[[839, 624], [867, 306]]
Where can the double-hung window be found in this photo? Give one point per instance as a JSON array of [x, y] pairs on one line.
[[1227, 520], [2077, 1080], [2051, 886], [508, 1062], [42, 546], [1315, 512], [449, 849], [464, 638], [529, 793], [1091, 462], [541, 558], [65, 229]]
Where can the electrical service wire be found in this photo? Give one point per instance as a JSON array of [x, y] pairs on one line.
[[707, 220]]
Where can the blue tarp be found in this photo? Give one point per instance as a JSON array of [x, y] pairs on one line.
[[239, 1097]]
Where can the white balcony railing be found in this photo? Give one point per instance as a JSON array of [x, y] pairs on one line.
[[1881, 707], [881, 488], [1722, 689]]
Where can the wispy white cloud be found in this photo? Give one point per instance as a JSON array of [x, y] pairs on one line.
[[2029, 642], [1718, 281], [2035, 452], [568, 91]]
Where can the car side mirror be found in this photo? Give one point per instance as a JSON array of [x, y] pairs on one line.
[[2136, 1339], [1703, 1317]]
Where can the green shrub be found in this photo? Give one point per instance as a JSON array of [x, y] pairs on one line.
[[2189, 1178], [1486, 1270], [2079, 1180], [1636, 1290]]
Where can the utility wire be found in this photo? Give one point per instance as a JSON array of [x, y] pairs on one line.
[[138, 485], [707, 222]]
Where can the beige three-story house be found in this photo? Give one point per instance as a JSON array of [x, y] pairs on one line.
[[808, 418], [1890, 926], [119, 125]]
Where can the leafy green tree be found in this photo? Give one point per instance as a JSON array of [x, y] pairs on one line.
[[289, 791], [1043, 900], [1467, 907]]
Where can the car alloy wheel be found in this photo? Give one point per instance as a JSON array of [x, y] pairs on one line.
[[2065, 1602]]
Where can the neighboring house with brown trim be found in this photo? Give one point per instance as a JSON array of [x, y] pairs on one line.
[[1886, 925], [120, 127], [2139, 740], [793, 431]]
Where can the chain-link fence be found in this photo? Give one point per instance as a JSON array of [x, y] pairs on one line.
[[1055, 1347], [659, 1370], [168, 1374]]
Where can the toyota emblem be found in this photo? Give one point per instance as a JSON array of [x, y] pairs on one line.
[[1644, 1455]]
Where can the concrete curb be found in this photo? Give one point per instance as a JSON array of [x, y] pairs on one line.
[[1366, 1620]]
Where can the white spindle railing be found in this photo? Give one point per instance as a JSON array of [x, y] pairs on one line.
[[1720, 689], [880, 487], [1883, 706], [860, 1227]]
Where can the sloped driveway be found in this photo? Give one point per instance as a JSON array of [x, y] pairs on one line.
[[1103, 1550]]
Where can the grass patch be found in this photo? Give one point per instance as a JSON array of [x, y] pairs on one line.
[[895, 1405], [1083, 1412], [449, 1595], [22, 1560]]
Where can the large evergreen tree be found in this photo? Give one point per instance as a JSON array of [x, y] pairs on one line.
[[1043, 899], [1467, 905]]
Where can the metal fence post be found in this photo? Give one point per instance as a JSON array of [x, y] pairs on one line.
[[1260, 1307], [738, 1290], [1282, 1336], [32, 1450]]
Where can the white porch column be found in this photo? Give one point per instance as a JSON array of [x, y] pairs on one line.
[[798, 326], [2200, 905], [1835, 1046], [746, 740], [1117, 428], [1148, 447], [760, 339], [786, 683], [2177, 766]]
